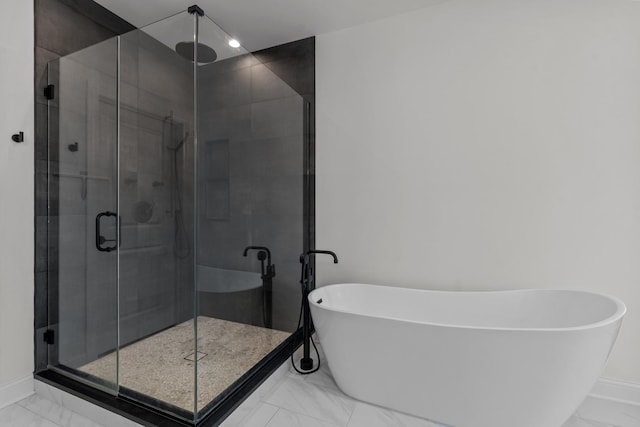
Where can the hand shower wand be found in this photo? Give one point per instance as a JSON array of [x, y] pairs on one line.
[[306, 280]]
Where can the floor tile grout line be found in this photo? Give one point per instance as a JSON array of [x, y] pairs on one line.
[[351, 415], [333, 392], [64, 409], [305, 415], [273, 391], [39, 415], [308, 415], [262, 400], [253, 411], [272, 416]]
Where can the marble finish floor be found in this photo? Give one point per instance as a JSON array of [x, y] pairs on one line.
[[286, 399], [36, 411], [40, 410], [158, 366], [315, 401]]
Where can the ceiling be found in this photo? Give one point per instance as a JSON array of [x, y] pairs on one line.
[[259, 24]]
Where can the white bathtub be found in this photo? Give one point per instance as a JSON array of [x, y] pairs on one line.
[[467, 359]]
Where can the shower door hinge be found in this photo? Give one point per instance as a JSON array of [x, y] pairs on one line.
[[49, 336], [50, 92]]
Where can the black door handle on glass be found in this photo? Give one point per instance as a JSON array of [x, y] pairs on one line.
[[100, 239]]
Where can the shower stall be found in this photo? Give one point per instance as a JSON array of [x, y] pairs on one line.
[[180, 200]]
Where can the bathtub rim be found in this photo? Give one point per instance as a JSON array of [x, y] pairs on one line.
[[621, 308]]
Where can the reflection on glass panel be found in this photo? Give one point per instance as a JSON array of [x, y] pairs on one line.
[[156, 207], [83, 185], [250, 212]]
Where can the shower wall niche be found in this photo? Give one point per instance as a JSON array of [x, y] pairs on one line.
[[179, 200]]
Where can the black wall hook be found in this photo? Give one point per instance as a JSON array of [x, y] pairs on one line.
[[18, 137]]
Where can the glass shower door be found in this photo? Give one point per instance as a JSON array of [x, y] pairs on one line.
[[83, 232], [121, 216], [177, 184]]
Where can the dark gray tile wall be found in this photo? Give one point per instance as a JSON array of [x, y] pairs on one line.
[[156, 285], [261, 111], [295, 64]]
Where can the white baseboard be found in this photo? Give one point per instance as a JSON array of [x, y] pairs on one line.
[[15, 391], [617, 391]]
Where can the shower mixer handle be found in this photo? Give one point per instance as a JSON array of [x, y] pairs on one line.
[[266, 274], [262, 249], [263, 254]]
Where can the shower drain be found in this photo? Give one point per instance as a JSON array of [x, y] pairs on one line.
[[192, 358]]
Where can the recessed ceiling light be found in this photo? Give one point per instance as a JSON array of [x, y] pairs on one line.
[[234, 43]]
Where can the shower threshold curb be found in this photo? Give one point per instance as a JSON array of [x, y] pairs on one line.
[[145, 414]]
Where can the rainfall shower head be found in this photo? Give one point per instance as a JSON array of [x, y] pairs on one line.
[[206, 54]]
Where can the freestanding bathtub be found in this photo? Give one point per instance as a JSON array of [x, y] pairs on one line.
[[467, 359]]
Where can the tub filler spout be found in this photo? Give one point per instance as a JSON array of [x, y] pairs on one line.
[[306, 280]]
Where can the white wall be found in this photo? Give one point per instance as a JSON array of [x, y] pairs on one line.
[[16, 191], [487, 144]]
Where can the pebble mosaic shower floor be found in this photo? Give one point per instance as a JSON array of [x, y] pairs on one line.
[[162, 365]]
